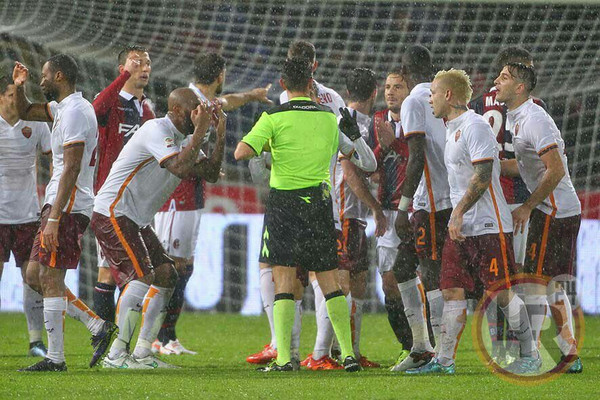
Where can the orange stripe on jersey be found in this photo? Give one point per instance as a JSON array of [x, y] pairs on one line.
[[502, 239], [543, 245], [553, 202], [71, 199], [165, 158], [410, 134], [434, 255], [115, 224], [153, 291]]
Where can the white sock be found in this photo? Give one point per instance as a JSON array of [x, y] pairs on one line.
[[436, 309], [518, 321], [537, 306], [295, 344], [453, 323], [356, 323], [54, 319], [33, 306], [154, 309], [128, 312], [267, 293], [414, 308], [77, 310], [324, 327], [562, 313]]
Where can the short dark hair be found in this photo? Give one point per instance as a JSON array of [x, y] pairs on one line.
[[296, 73], [65, 64], [361, 83], [511, 54], [396, 71], [208, 67], [302, 49], [523, 73], [124, 53], [417, 62]]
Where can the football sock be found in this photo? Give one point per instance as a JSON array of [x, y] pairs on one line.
[[436, 310], [167, 330], [33, 306], [324, 330], [128, 311], [54, 319], [356, 323], [283, 317], [413, 298], [536, 311], [399, 322], [337, 308], [77, 310], [453, 324], [495, 320], [518, 321], [297, 328], [267, 294], [562, 313], [154, 309], [104, 301]]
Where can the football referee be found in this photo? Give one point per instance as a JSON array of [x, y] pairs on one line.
[[298, 226]]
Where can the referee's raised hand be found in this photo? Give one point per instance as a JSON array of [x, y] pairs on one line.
[[348, 124]]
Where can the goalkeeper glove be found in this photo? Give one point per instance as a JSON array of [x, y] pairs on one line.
[[348, 124]]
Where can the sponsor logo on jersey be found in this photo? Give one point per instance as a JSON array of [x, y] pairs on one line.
[[457, 135], [26, 131], [176, 243], [127, 129]]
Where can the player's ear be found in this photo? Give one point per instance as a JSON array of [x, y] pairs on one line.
[[121, 68], [282, 84], [315, 66]]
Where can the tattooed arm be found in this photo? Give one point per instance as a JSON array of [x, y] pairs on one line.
[[479, 183]]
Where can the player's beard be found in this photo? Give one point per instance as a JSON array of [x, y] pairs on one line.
[[50, 92]]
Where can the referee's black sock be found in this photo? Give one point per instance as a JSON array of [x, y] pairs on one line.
[[399, 322], [167, 330], [104, 301]]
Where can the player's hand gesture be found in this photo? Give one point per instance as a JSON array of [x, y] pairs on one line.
[[402, 225], [260, 94], [50, 236], [348, 124], [132, 64], [385, 132], [221, 120], [20, 74], [201, 117], [380, 222], [455, 227], [520, 217]]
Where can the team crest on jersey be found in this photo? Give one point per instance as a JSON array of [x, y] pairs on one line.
[[26, 131], [176, 243], [169, 142], [457, 135], [516, 129]]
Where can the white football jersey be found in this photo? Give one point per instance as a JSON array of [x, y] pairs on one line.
[[19, 203], [534, 133], [470, 140], [433, 193], [349, 204], [74, 121], [138, 185]]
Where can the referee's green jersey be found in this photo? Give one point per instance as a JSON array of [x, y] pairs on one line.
[[303, 137]]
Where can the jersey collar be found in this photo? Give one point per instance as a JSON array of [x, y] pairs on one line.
[[301, 99]]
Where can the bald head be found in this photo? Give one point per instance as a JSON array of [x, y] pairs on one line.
[[184, 98]]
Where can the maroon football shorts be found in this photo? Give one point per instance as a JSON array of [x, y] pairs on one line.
[[131, 251], [551, 244], [488, 259], [70, 230], [430, 231], [18, 239], [352, 246]]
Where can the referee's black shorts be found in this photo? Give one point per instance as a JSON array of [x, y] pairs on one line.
[[299, 230]]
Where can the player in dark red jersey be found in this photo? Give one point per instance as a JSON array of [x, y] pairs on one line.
[[178, 221], [121, 109], [514, 189]]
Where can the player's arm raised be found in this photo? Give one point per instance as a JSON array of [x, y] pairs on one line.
[[479, 183], [236, 100], [352, 145], [183, 165], [555, 171], [27, 110], [210, 169]]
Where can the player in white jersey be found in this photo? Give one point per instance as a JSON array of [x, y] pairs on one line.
[[426, 180], [19, 203], [553, 209], [147, 171], [67, 205], [478, 247]]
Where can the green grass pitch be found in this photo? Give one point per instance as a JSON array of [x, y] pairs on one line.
[[220, 370]]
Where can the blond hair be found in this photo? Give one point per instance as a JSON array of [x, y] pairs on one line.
[[458, 81]]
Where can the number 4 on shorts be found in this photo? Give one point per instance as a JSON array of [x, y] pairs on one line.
[[494, 266]]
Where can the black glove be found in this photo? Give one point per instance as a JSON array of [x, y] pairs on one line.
[[348, 124]]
